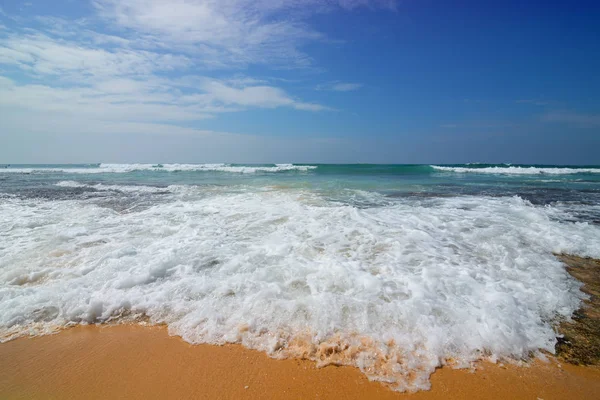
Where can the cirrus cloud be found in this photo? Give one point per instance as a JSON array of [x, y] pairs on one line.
[[225, 33]]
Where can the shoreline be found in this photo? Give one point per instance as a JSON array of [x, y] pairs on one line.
[[580, 343], [139, 362]]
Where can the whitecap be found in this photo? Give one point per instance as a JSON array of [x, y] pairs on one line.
[[519, 170]]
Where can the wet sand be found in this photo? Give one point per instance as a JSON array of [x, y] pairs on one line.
[[581, 341], [137, 362]]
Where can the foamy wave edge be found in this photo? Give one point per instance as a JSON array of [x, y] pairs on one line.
[[125, 168], [401, 369], [120, 188], [405, 364], [519, 170]]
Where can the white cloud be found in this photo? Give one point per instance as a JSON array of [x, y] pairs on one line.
[[339, 86], [135, 104], [133, 66], [219, 33], [121, 81], [225, 32], [257, 96], [263, 96], [44, 55], [147, 100], [573, 118]]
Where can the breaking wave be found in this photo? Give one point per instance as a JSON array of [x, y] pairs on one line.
[[395, 290], [125, 168], [519, 170]]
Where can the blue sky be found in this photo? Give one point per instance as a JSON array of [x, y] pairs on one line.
[[299, 81]]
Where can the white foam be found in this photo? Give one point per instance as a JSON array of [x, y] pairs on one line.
[[72, 184], [120, 188], [125, 168], [519, 170], [395, 290]]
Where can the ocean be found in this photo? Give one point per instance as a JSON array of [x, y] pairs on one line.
[[394, 269]]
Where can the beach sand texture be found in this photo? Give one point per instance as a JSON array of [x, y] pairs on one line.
[[138, 362]]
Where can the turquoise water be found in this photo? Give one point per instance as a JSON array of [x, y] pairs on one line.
[[402, 268], [540, 184]]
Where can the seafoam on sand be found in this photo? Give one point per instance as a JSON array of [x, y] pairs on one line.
[[395, 288]]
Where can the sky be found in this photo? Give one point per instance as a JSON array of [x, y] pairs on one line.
[[305, 81]]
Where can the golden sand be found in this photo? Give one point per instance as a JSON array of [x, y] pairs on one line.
[[137, 362]]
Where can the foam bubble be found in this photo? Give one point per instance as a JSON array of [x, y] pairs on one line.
[[396, 289]]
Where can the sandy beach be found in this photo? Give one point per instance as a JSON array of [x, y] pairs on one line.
[[140, 362]]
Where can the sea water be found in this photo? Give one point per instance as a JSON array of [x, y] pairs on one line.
[[394, 269]]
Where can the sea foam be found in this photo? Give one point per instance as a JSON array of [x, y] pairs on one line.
[[126, 168], [119, 188], [396, 289], [519, 170]]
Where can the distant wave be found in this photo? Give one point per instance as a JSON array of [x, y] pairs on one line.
[[124, 168], [519, 170]]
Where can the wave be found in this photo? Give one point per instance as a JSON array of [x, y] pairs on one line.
[[181, 190], [519, 170], [126, 168], [323, 169], [395, 290], [119, 188]]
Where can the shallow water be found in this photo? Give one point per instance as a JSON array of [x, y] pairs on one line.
[[394, 269]]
